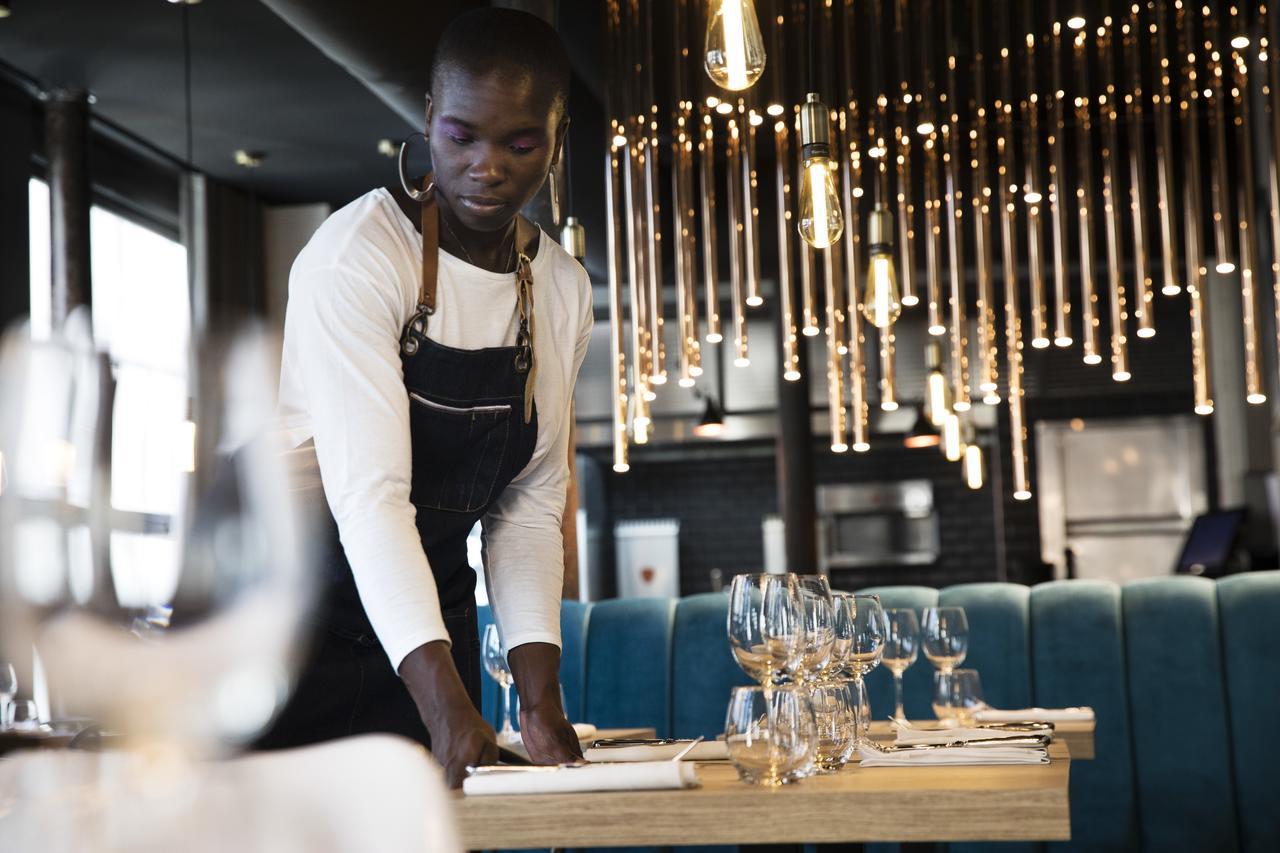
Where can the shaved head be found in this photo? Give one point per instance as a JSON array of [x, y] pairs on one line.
[[519, 47]]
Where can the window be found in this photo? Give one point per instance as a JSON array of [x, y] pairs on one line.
[[142, 320]]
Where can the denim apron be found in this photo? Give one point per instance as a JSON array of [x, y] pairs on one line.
[[472, 431]]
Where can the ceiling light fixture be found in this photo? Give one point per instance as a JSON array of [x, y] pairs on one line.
[[921, 434], [712, 423], [249, 159], [4, 9], [388, 147]]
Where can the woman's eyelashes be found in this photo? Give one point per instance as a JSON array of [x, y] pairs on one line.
[[521, 148]]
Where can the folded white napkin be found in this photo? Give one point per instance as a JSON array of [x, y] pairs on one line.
[[584, 731], [632, 776], [972, 755], [708, 750], [906, 734], [1035, 715]]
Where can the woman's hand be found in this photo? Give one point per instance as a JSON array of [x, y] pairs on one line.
[[547, 734], [460, 737]]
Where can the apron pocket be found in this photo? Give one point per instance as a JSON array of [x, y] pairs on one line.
[[457, 452]]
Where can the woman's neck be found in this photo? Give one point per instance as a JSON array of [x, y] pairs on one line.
[[490, 250]]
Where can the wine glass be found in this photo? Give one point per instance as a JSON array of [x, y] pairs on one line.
[[495, 663], [842, 631], [900, 650], [769, 731], [173, 543], [818, 632], [946, 637], [763, 625], [8, 689], [869, 633], [957, 695]]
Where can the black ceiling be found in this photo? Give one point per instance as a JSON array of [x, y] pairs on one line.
[[314, 85]]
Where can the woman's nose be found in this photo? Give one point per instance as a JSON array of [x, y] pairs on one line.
[[486, 168]]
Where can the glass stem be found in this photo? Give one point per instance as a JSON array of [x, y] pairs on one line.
[[898, 712], [508, 732]]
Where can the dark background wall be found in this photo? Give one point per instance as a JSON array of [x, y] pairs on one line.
[[721, 492]]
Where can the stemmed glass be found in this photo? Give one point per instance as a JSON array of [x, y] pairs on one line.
[[901, 650], [495, 663], [870, 631], [818, 630], [946, 637], [765, 625], [8, 689]]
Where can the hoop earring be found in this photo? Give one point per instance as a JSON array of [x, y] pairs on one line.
[[553, 187], [402, 166]]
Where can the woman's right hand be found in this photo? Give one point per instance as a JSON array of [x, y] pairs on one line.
[[460, 737]]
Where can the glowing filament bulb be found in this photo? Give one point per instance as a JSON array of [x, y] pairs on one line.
[[734, 56], [821, 221], [951, 445], [973, 466]]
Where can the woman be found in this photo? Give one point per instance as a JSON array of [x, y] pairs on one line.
[[434, 372]]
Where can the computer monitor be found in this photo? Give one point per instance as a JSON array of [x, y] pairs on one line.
[[1210, 543]]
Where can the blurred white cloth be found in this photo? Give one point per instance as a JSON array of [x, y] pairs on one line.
[[944, 755], [1035, 715], [347, 796], [708, 750], [633, 776], [906, 735]]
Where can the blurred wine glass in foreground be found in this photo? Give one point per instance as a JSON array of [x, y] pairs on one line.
[[177, 620]]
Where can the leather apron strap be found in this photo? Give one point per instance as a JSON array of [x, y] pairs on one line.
[[525, 237]]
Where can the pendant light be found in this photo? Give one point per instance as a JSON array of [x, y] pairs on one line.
[[712, 423], [734, 55], [821, 221], [883, 302], [922, 434]]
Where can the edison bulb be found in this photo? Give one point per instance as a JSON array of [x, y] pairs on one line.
[[734, 55], [952, 447], [973, 466], [821, 221], [882, 302]]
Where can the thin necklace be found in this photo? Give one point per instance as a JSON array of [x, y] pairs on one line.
[[471, 260]]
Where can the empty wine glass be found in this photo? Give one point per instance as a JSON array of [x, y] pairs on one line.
[[865, 650], [763, 625], [842, 631], [957, 695], [818, 635], [495, 663], [190, 576], [769, 732], [8, 689], [900, 650], [946, 637], [835, 717]]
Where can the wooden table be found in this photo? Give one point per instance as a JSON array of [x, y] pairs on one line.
[[1078, 736], [859, 804]]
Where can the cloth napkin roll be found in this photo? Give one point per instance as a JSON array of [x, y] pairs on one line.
[[1035, 715], [973, 755], [630, 776], [712, 750], [584, 731], [907, 735]]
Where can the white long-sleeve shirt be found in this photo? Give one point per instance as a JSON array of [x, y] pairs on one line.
[[352, 289]]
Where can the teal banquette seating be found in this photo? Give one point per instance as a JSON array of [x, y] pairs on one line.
[[1183, 672]]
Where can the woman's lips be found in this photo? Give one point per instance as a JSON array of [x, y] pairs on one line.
[[482, 205]]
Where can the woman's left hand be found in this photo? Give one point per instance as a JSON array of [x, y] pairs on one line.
[[547, 734]]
